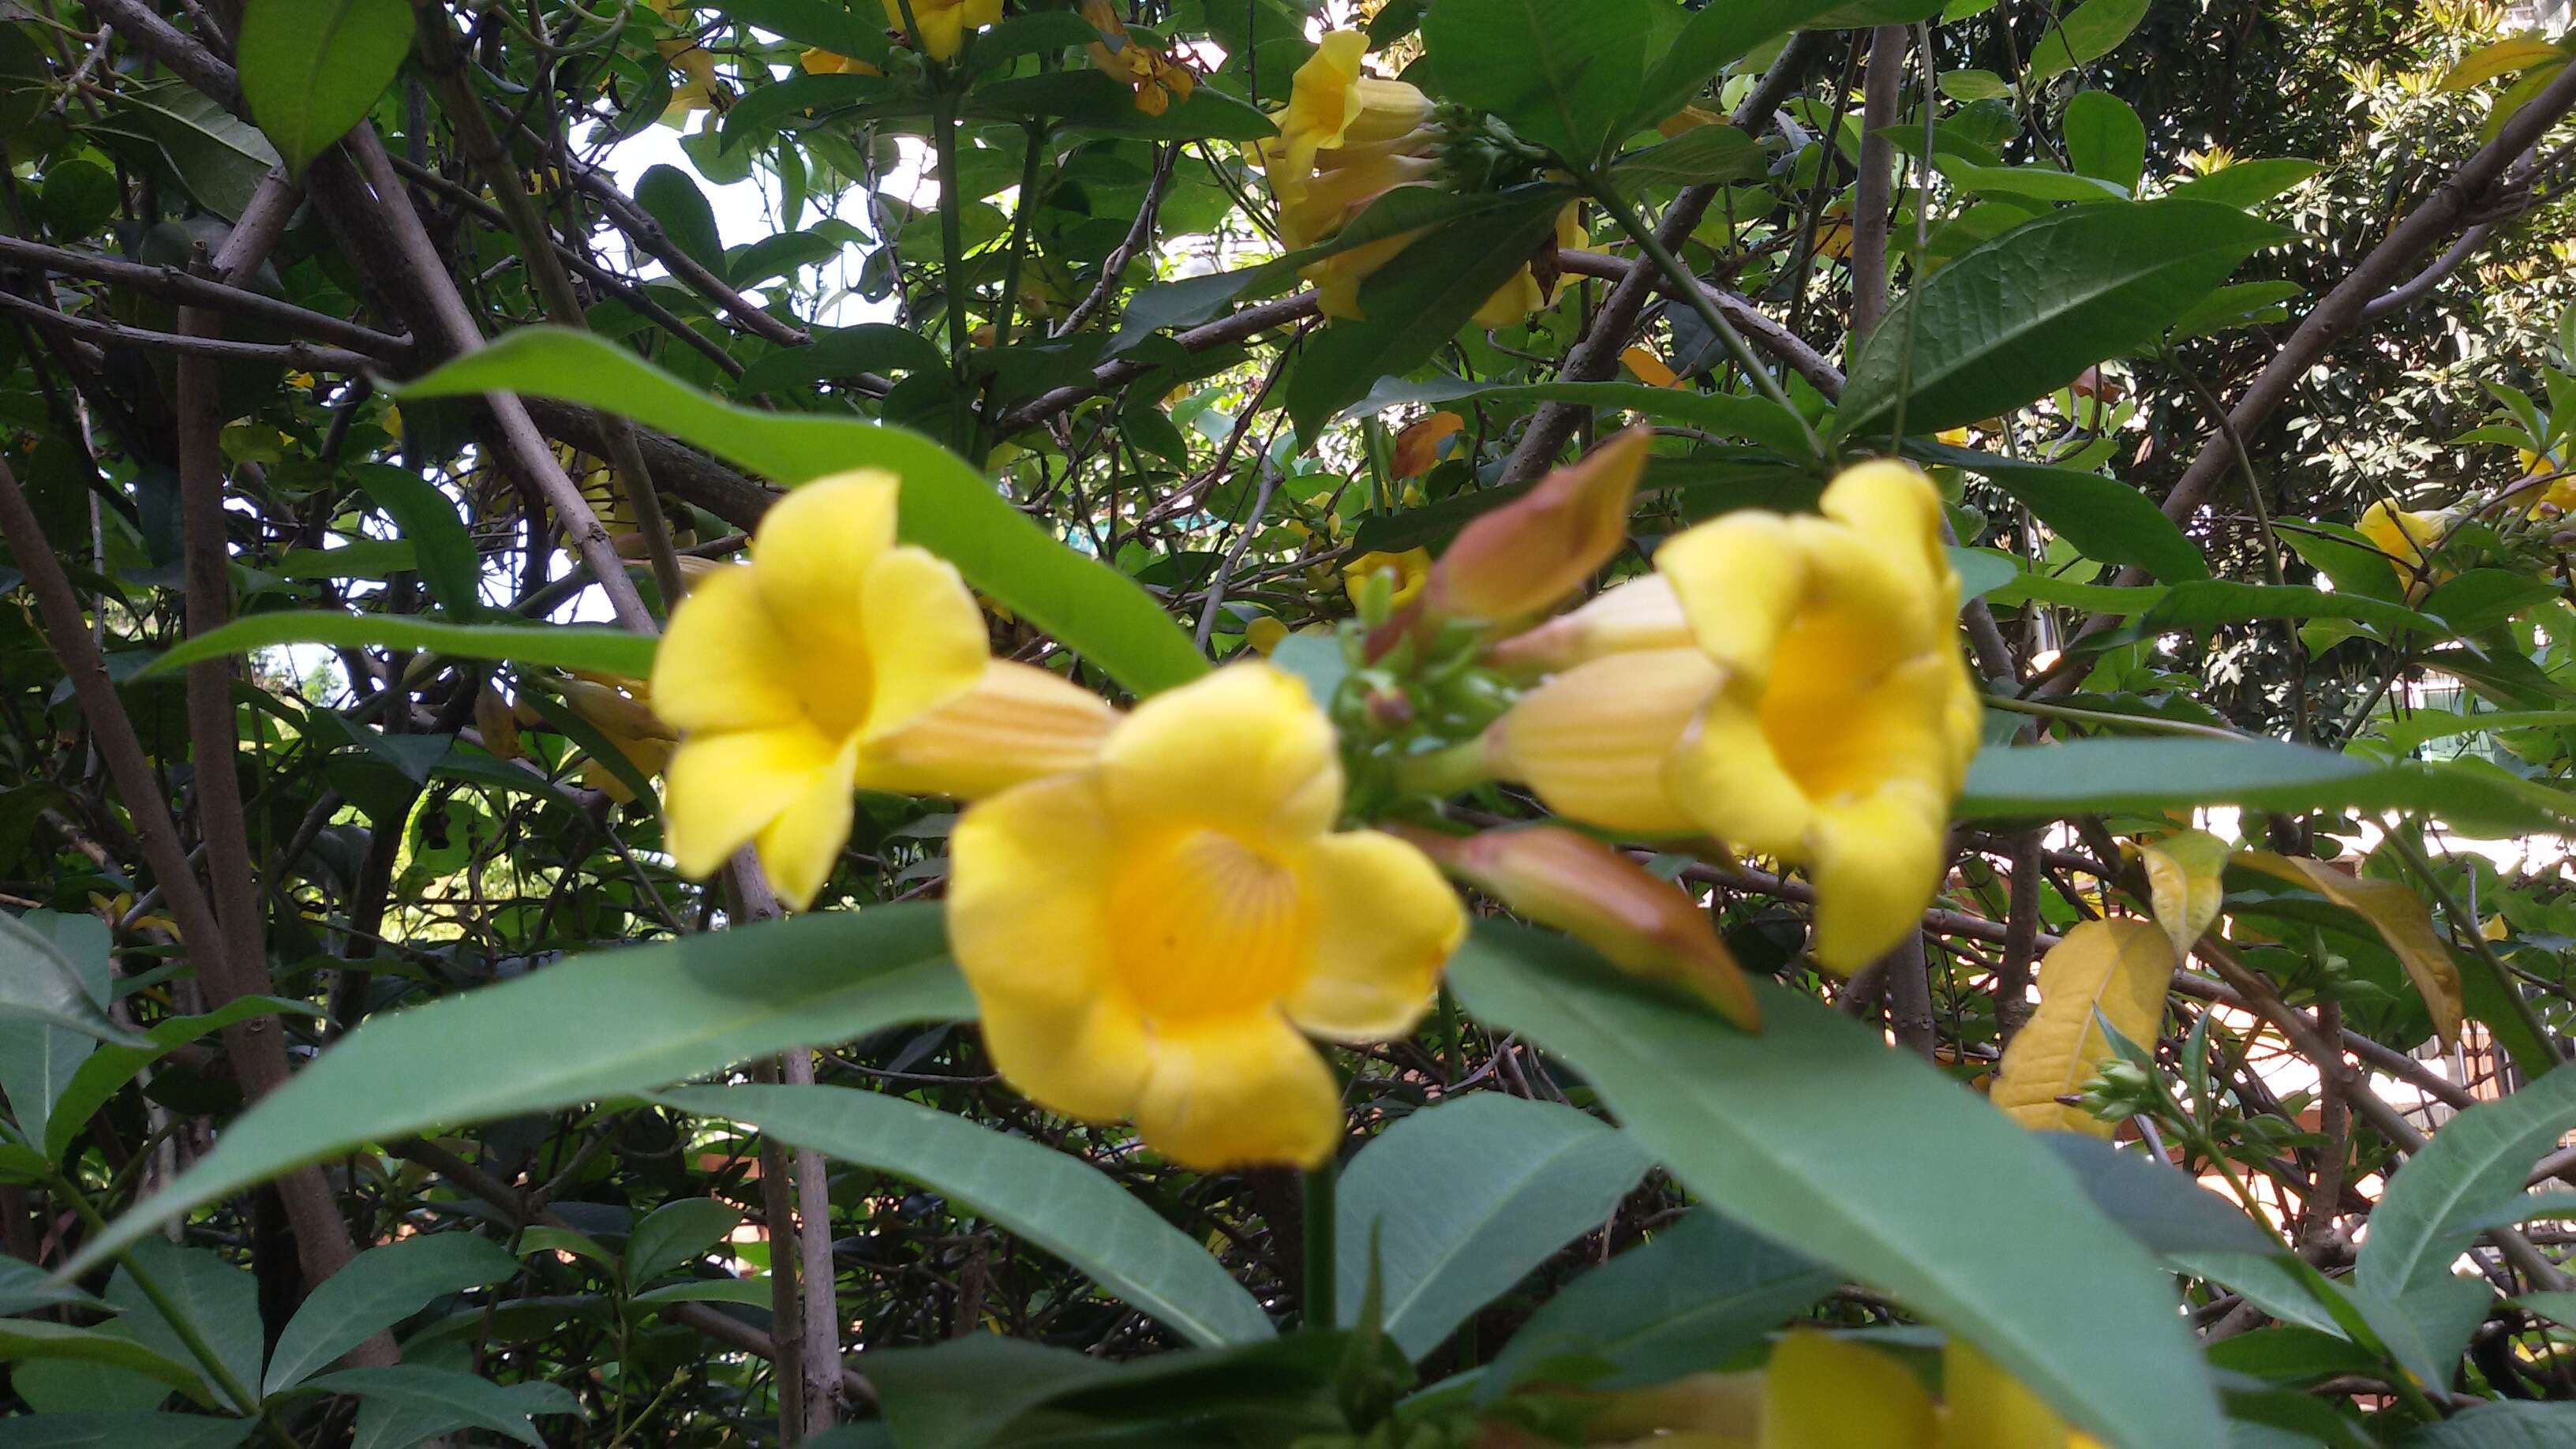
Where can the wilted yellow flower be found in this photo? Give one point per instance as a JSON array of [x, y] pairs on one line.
[[1146, 938], [1820, 714], [702, 90], [2407, 539], [944, 23], [1155, 76], [1409, 569], [788, 677]]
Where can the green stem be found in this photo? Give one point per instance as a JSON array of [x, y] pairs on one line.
[[1318, 1309], [1691, 291], [2011, 704], [952, 236], [1450, 770]]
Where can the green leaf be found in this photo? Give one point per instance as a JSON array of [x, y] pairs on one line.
[[38, 1059], [123, 1431], [2507, 1425], [985, 1390], [963, 1393], [686, 217], [310, 69], [22, 1339], [217, 1302], [748, 1292], [1700, 156], [376, 1290], [946, 507], [2083, 35], [842, 352], [2247, 183], [429, 523], [2039, 183], [2106, 518], [1890, 1173], [681, 1008], [1562, 73], [220, 158], [2426, 1218], [2105, 138], [1059, 1203], [1727, 414], [1416, 302], [826, 24], [25, 1286], [2166, 1210], [558, 646], [1086, 100], [2087, 283], [39, 983], [455, 1399], [1715, 36], [1465, 1199], [1689, 1298], [2200, 605], [675, 1234], [1981, 571], [110, 1068]]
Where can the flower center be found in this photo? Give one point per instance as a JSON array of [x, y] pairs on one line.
[[1207, 926], [836, 688], [1834, 731]]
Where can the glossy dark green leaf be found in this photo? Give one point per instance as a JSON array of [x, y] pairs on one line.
[[2083, 35], [676, 1233], [1819, 1133], [2105, 138], [1562, 73], [2508, 1425], [843, 352], [38, 983], [2084, 776], [1086, 100], [1059, 1203], [39, 1059], [947, 507], [1700, 156], [2475, 1160], [682, 1008], [2162, 1207], [376, 1290], [214, 1301], [2247, 183], [429, 523], [1464, 1198], [123, 1431], [2106, 518], [1686, 1300], [2086, 283], [311, 68], [1713, 37], [423, 1395], [1730, 415], [559, 646]]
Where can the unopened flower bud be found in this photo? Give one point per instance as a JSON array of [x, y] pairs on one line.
[[1530, 553], [613, 711], [498, 724], [1389, 710], [1646, 926]]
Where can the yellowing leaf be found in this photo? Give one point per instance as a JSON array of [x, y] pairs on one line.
[[2120, 968], [2399, 918], [2182, 872], [2502, 58]]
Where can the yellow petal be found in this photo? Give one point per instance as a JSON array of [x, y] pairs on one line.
[[926, 643], [802, 843], [1831, 1393], [1516, 299], [1728, 780], [1323, 97], [1017, 723], [1740, 578], [2120, 968], [1641, 613], [1595, 741], [812, 550], [723, 788], [1243, 750], [1384, 923], [1876, 863], [723, 665], [1895, 506], [1987, 1408], [1239, 1091]]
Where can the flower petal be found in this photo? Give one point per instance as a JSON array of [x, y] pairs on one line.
[[1740, 577], [1088, 1063], [723, 665], [814, 548], [1030, 872], [802, 843], [1595, 740], [1243, 750], [1384, 924], [1876, 863], [1825, 1392], [1895, 506], [1017, 723], [926, 641], [1239, 1091], [722, 789], [1732, 783]]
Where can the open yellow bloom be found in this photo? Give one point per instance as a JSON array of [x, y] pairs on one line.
[[1148, 937], [1820, 712], [788, 679], [1826, 1392], [944, 23], [1408, 569], [2407, 538]]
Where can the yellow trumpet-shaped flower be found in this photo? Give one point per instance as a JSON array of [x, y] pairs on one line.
[[1826, 1392], [2408, 539], [944, 23], [1820, 712], [788, 679], [1155, 76], [815, 60], [1408, 569], [1148, 937]]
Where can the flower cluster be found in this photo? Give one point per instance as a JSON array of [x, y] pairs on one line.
[[1347, 138]]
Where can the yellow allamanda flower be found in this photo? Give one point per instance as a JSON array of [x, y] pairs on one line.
[[2558, 493], [840, 659], [2407, 538], [1155, 76], [1826, 1392], [1791, 685], [1408, 569], [944, 23], [1148, 937], [815, 60]]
